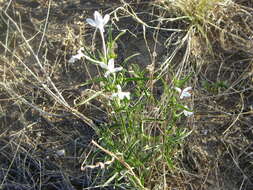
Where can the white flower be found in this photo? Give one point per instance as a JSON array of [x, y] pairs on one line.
[[121, 95], [77, 56], [110, 67], [98, 22], [187, 113], [61, 152], [184, 93]]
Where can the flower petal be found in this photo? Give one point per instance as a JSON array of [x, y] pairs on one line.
[[122, 95], [117, 69], [101, 28], [107, 73], [106, 19], [98, 18], [103, 65], [114, 95], [119, 88], [80, 50], [79, 56], [186, 112], [91, 22], [127, 95], [111, 64], [187, 89], [178, 90], [185, 95], [76, 57], [72, 60]]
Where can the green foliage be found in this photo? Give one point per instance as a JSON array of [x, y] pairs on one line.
[[142, 127], [215, 87]]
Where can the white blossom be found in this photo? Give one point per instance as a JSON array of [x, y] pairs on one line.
[[121, 95], [61, 152], [98, 22], [185, 93], [78, 56], [110, 67], [187, 113]]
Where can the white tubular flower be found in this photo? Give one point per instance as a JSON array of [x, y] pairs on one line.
[[121, 95], [184, 93], [98, 22], [110, 67], [76, 57], [187, 113]]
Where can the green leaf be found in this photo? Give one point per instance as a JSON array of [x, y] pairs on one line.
[[181, 83]]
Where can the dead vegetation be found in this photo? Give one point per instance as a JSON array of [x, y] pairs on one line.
[[45, 138]]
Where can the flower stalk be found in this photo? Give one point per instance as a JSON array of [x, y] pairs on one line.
[[100, 22]]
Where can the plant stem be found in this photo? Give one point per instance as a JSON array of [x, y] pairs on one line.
[[104, 46]]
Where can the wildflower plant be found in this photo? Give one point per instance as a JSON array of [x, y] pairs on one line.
[[186, 112], [184, 93], [78, 56], [100, 22], [121, 95], [110, 69], [142, 128]]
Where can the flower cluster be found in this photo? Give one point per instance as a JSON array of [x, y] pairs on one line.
[[110, 67], [76, 57], [185, 93], [121, 95], [99, 22]]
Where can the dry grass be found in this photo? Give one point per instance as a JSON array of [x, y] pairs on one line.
[[211, 41]]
